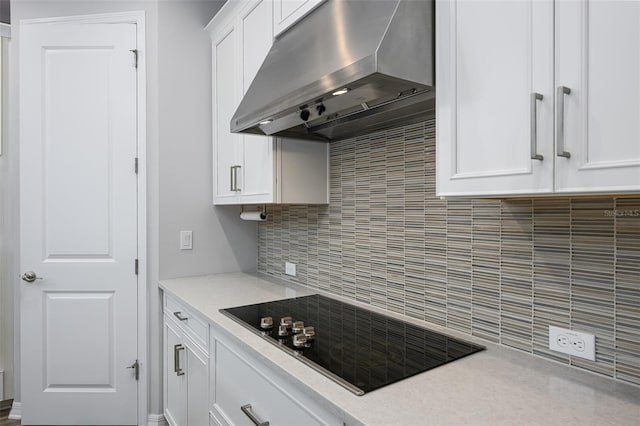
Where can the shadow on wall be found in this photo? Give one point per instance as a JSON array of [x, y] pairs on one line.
[[239, 234]]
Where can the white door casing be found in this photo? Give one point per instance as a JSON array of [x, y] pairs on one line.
[[79, 223]]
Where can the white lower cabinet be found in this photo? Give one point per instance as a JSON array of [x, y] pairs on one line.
[[186, 368], [211, 380], [245, 392], [174, 383]]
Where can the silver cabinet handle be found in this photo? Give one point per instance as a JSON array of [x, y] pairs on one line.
[[176, 360], [535, 97], [235, 186], [179, 316], [231, 178], [246, 409], [561, 91]]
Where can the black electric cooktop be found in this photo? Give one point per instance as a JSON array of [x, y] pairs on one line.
[[360, 349]]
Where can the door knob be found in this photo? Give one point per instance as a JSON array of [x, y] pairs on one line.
[[30, 277]]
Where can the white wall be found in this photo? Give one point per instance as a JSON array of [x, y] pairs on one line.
[[221, 242], [178, 159]]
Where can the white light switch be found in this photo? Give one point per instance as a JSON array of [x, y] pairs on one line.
[[186, 240]]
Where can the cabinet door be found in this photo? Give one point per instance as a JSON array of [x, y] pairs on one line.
[[287, 12], [598, 60], [226, 146], [174, 385], [491, 57], [239, 384], [257, 173], [197, 372]]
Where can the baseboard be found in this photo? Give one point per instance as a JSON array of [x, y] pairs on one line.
[[154, 419], [157, 420], [16, 411], [6, 404]]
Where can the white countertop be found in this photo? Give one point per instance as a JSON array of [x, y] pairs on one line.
[[498, 386]]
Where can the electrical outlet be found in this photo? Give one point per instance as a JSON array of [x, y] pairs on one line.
[[575, 343], [290, 268], [186, 240]]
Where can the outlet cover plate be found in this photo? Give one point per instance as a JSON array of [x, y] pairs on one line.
[[571, 342], [290, 268]]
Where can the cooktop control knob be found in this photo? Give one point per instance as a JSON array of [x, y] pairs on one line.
[[266, 323], [309, 333], [299, 341], [288, 321], [297, 327], [283, 331]]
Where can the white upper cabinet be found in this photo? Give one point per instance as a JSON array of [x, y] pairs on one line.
[[288, 12], [256, 183], [598, 60], [498, 98], [226, 147], [253, 169], [492, 57]]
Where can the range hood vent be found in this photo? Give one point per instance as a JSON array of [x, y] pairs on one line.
[[350, 67]]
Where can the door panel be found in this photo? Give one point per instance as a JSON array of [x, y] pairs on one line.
[[85, 366], [598, 59], [174, 385], [258, 170], [197, 386], [486, 81], [226, 144], [77, 210], [78, 139]]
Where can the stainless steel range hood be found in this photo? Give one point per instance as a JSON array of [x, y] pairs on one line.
[[350, 67]]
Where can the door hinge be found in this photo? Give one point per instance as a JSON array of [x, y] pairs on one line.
[[135, 57], [136, 267], [136, 369], [136, 165]]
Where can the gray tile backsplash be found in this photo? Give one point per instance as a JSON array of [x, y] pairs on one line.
[[502, 270]]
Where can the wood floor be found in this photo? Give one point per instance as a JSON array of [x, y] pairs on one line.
[[3, 419]]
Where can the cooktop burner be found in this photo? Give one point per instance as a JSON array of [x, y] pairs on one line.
[[360, 349]]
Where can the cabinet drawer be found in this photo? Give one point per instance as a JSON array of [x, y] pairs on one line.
[[238, 384], [197, 329]]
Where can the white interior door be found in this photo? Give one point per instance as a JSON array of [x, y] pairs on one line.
[[78, 223]]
